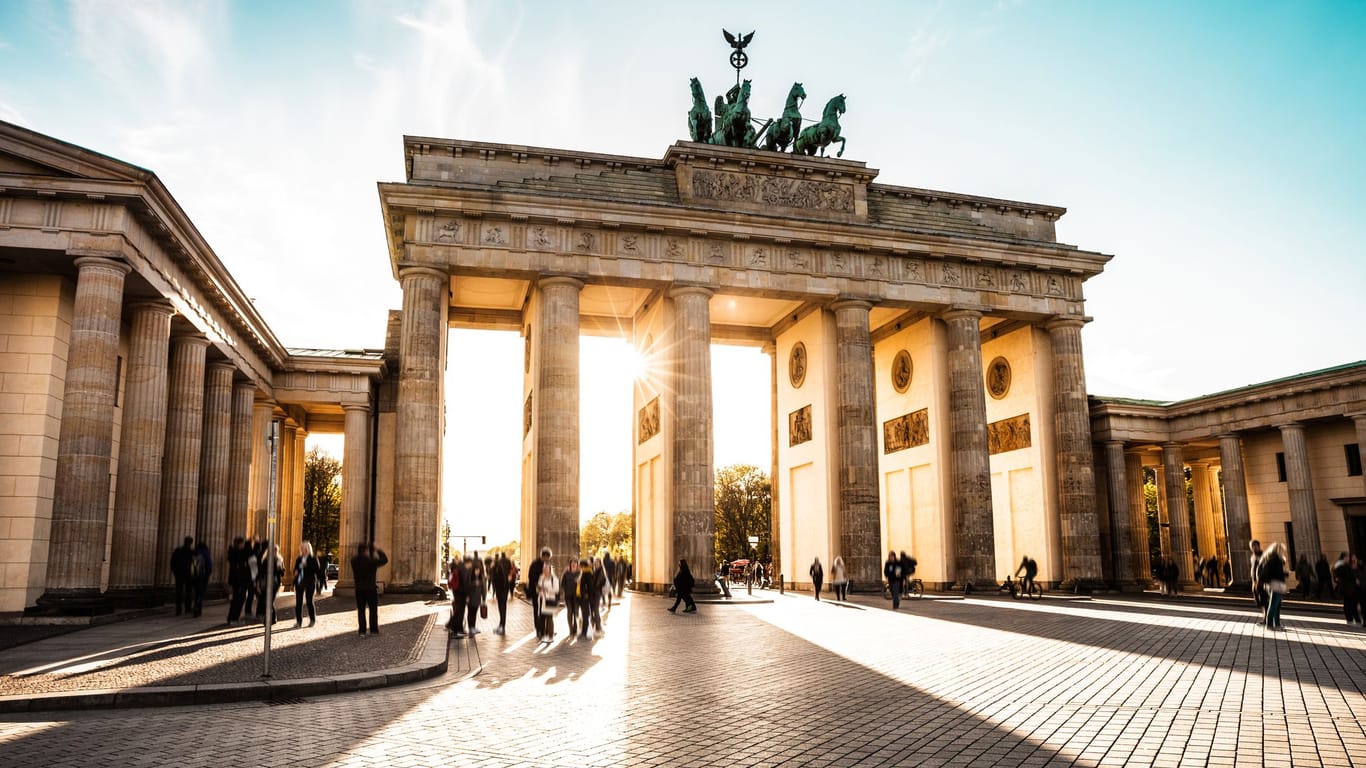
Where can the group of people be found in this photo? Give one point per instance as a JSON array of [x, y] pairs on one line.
[[191, 567], [470, 581], [1270, 577], [585, 588]]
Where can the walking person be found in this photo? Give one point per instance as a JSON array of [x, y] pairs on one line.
[[839, 579], [723, 577], [239, 579], [543, 589], [475, 594], [1258, 594], [1347, 586], [458, 581], [596, 586], [586, 597], [1323, 578], [891, 571], [1273, 576], [501, 577], [569, 592], [364, 566], [1304, 576], [308, 573], [182, 560], [201, 568], [683, 584], [610, 569], [817, 576], [254, 565], [267, 589]]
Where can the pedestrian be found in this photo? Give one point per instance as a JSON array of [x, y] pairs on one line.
[[458, 581], [1323, 578], [891, 571], [322, 571], [501, 574], [569, 592], [201, 568], [1258, 594], [597, 585], [817, 576], [1228, 571], [1273, 575], [254, 565], [1304, 576], [474, 602], [683, 584], [610, 568], [544, 593], [308, 573], [364, 565], [182, 560], [268, 588], [723, 577], [1347, 586], [239, 579], [839, 579], [623, 572], [586, 594]]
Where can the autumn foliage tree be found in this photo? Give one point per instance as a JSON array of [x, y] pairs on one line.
[[322, 502], [604, 531], [743, 501]]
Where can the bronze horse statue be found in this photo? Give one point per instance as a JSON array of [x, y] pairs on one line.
[[824, 133], [732, 117], [699, 117], [785, 130]]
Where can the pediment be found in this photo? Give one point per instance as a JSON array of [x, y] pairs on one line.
[[26, 153]]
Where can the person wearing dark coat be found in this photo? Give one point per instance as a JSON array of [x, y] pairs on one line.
[[683, 584], [569, 589], [542, 617], [181, 560], [1324, 573], [239, 579], [268, 589], [1273, 575], [201, 569], [1345, 577], [308, 573], [364, 566], [817, 576], [501, 575]]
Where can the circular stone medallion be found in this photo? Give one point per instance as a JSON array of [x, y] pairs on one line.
[[796, 365], [901, 371], [998, 378]]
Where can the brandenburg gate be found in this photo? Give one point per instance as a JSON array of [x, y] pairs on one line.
[[928, 392]]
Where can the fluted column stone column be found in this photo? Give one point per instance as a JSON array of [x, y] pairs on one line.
[[1236, 510], [694, 497], [775, 503], [556, 393], [355, 501], [239, 460], [417, 448], [85, 443], [262, 413], [860, 523], [1121, 517], [1204, 510], [1178, 513], [137, 497], [1359, 420], [1300, 487], [1076, 476], [974, 534], [1138, 517], [212, 513], [296, 523], [184, 446], [284, 493]]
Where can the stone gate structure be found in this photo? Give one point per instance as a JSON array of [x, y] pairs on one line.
[[928, 390]]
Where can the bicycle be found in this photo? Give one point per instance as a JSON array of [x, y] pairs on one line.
[[1034, 592], [912, 588]]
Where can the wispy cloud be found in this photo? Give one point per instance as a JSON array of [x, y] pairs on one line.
[[162, 43]]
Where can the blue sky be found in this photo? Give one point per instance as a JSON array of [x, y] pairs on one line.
[[1214, 148]]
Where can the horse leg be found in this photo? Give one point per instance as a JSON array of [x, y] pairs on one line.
[[841, 152]]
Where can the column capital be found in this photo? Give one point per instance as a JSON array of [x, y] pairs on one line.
[[1227, 436], [1119, 443], [957, 311], [687, 290], [572, 282], [152, 305], [219, 365], [189, 338], [104, 259], [769, 348], [850, 303], [406, 272], [362, 407], [1057, 322], [1291, 426]]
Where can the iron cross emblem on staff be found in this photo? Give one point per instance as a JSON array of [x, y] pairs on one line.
[[738, 57]]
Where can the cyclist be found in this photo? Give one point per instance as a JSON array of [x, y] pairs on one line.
[[1030, 569], [892, 570]]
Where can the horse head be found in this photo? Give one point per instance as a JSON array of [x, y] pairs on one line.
[[835, 107], [797, 94], [696, 86], [744, 94]]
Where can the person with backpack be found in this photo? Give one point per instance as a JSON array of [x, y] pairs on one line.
[[308, 573], [504, 576], [201, 568], [182, 563], [1029, 568], [817, 576], [597, 585], [364, 565], [683, 584], [891, 570], [458, 583]]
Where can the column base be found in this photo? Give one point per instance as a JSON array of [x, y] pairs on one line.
[[977, 587], [1083, 586], [71, 602], [133, 597], [415, 588]]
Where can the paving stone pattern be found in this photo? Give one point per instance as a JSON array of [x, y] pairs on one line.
[[801, 683]]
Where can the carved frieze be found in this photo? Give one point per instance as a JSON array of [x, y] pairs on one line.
[[777, 191], [799, 426], [526, 416], [1008, 434], [906, 431], [998, 378], [648, 421], [540, 237], [796, 365]]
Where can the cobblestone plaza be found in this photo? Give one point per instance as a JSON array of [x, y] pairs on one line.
[[1123, 681]]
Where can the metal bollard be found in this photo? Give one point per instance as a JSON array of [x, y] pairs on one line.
[[781, 591]]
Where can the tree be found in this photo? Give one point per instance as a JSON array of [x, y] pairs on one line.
[[603, 531], [744, 498], [322, 502]]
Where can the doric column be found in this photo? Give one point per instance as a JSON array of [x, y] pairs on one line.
[[1178, 513], [184, 446], [85, 443], [1359, 419], [860, 524], [694, 497], [556, 390], [212, 513], [239, 459], [262, 413], [775, 507], [1164, 526], [1138, 517], [284, 493], [355, 502], [1235, 510], [1300, 486], [974, 536], [296, 523], [417, 449], [1076, 478], [1216, 499], [1121, 517], [1204, 510], [137, 497]]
